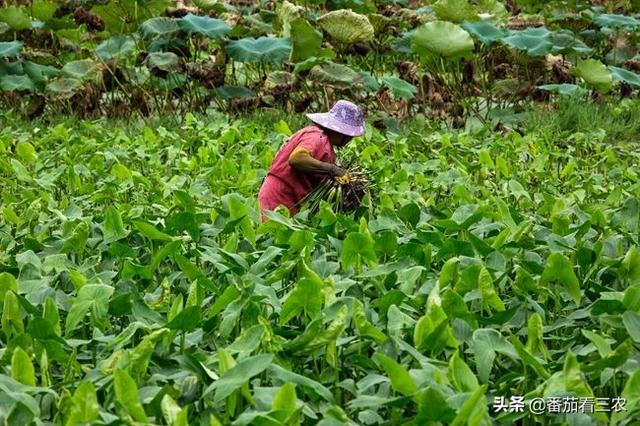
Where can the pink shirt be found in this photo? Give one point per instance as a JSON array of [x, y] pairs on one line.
[[317, 143], [292, 185]]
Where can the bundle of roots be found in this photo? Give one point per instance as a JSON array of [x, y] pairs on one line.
[[343, 194]]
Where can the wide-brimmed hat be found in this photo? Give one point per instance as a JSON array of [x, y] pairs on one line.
[[345, 117]]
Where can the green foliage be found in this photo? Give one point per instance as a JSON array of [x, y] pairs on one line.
[[262, 49], [346, 26], [192, 299], [10, 48], [139, 285], [204, 26], [595, 74], [441, 38]]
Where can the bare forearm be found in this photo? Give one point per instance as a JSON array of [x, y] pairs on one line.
[[304, 162]]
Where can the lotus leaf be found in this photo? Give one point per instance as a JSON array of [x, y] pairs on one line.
[[16, 83], [116, 47], [333, 74], [10, 49], [17, 18], [594, 73], [165, 61], [159, 28], [263, 49], [346, 26], [84, 69], [204, 26], [629, 77], [441, 38]]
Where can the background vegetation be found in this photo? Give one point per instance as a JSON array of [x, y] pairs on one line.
[[138, 286]]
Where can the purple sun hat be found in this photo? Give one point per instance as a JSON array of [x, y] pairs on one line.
[[345, 117]]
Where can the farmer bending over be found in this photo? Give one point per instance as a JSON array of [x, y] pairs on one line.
[[308, 157]]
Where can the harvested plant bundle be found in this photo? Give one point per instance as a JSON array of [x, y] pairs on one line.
[[344, 194]]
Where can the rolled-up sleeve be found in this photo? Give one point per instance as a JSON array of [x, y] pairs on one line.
[[318, 147]]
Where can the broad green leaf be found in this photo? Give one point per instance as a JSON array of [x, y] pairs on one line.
[[235, 92], [140, 356], [493, 10], [594, 73], [170, 409], [465, 413], [238, 375], [331, 333], [306, 296], [187, 320], [401, 381], [564, 89], [112, 227], [44, 10], [448, 273], [17, 18], [534, 41], [248, 340], [287, 13], [16, 83], [26, 152], [358, 247], [10, 49], [631, 322], [289, 376], [488, 292], [535, 342], [629, 77], [616, 21], [631, 298], [432, 331], [92, 298], [399, 87], [84, 405], [84, 69], [165, 61], [11, 315], [604, 348], [527, 358], [364, 326], [631, 394], [126, 392], [461, 375], [204, 26], [306, 41], [51, 314], [206, 5], [64, 87], [22, 368], [118, 46], [486, 343], [263, 49], [454, 10], [558, 268], [285, 399], [484, 31], [151, 232], [346, 26], [159, 28], [336, 75], [574, 381], [8, 283], [440, 38]]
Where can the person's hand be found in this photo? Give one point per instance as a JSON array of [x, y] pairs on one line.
[[338, 171]]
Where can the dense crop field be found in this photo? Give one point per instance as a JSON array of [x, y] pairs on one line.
[[138, 283], [492, 275]]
